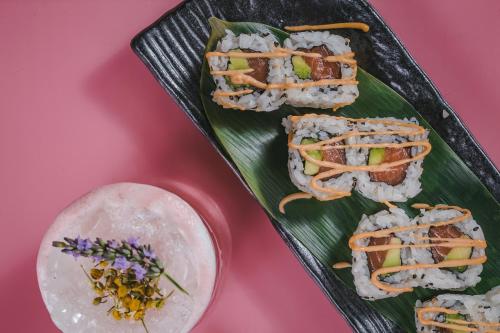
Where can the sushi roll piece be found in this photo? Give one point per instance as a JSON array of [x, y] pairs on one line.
[[328, 155], [394, 151], [462, 241], [374, 231], [443, 248], [242, 68], [321, 70], [453, 313], [315, 146]]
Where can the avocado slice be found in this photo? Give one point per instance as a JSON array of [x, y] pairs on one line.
[[301, 68], [455, 316], [393, 256], [376, 156], [460, 253], [236, 63], [310, 168]]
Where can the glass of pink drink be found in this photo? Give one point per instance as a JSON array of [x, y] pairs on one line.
[[176, 232]]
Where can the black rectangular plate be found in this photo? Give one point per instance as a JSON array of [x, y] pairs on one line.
[[172, 48]]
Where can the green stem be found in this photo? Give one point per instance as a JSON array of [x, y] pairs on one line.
[[177, 285], [144, 325], [170, 294], [87, 274]]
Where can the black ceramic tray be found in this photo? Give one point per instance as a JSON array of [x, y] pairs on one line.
[[173, 46]]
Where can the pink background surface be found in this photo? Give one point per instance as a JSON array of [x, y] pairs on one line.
[[79, 110]]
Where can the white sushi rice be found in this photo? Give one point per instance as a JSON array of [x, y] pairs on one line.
[[319, 96], [324, 127], [380, 191], [321, 128], [395, 217], [483, 308], [267, 100], [437, 278], [434, 278]]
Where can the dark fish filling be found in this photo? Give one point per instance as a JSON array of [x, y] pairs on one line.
[[440, 253], [335, 156], [331, 155], [260, 67], [380, 259], [321, 69], [395, 175]]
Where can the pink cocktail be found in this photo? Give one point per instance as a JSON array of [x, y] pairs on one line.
[[175, 231]]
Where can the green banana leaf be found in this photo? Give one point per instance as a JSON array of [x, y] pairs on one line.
[[257, 144]]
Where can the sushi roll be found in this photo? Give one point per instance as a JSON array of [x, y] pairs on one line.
[[391, 254], [321, 73], [390, 142], [455, 227], [329, 155], [365, 263], [242, 80], [312, 142], [450, 313]]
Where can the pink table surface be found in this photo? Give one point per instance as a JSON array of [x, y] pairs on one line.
[[79, 110]]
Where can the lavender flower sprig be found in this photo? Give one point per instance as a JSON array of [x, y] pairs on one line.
[[126, 272], [120, 255]]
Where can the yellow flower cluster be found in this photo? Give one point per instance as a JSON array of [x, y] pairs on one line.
[[130, 298]]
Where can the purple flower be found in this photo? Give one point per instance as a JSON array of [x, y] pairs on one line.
[[139, 271], [97, 258], [71, 252], [133, 241], [149, 253], [121, 263], [83, 244], [113, 244]]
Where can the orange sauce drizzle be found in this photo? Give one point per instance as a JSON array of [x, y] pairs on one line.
[[226, 103], [421, 206], [232, 72], [456, 324], [333, 194], [240, 77], [232, 93], [389, 204], [325, 82], [342, 265], [444, 264], [339, 105], [300, 53], [343, 58], [336, 168], [291, 197], [343, 55], [274, 54], [442, 242], [347, 25]]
